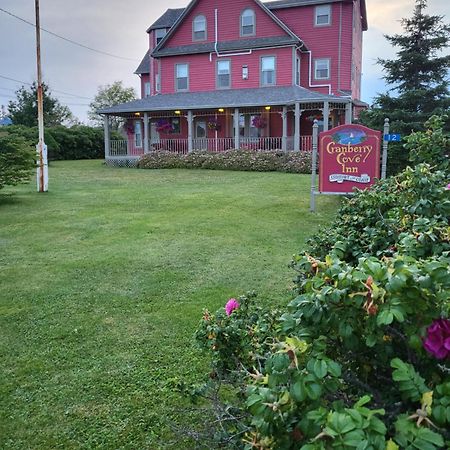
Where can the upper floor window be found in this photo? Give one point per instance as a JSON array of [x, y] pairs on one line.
[[147, 89], [181, 77], [322, 15], [268, 75], [224, 74], [322, 69], [248, 23], [159, 34], [199, 28]]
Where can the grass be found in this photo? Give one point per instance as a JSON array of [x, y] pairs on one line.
[[103, 280]]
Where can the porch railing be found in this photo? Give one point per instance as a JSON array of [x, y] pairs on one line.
[[128, 148]]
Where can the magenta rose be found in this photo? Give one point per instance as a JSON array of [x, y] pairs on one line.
[[231, 305], [437, 340]]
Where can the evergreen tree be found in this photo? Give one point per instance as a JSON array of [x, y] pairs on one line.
[[24, 110], [418, 77]]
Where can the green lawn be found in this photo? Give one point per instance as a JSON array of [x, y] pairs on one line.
[[102, 283]]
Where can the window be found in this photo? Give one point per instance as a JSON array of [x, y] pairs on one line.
[[224, 74], [147, 89], [199, 28], [158, 83], [159, 34], [322, 15], [268, 70], [297, 71], [138, 133], [176, 128], [245, 72], [181, 77], [322, 69], [248, 20]]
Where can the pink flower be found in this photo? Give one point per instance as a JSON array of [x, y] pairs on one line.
[[448, 187], [231, 305], [437, 341]]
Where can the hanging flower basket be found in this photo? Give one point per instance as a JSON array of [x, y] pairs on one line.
[[259, 122], [314, 117], [163, 126], [128, 127], [213, 124]]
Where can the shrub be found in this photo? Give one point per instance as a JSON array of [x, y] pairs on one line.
[[359, 359], [17, 160], [245, 160]]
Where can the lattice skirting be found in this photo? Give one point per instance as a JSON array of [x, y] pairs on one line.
[[121, 162]]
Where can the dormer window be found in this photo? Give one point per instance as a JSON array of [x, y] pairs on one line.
[[322, 15], [248, 23], [199, 28], [159, 34]]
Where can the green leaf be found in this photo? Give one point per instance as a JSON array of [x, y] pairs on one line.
[[298, 391], [334, 369], [430, 436], [320, 368], [313, 390]]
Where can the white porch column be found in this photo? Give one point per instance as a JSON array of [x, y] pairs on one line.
[[348, 112], [107, 135], [284, 137], [190, 131], [326, 114], [297, 128], [146, 133], [236, 129]]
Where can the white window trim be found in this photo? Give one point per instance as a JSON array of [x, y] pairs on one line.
[[147, 89], [316, 15], [205, 30], [261, 71], [217, 73], [241, 26], [137, 126], [316, 61], [176, 77]]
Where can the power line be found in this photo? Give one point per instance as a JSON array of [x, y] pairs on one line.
[[67, 39], [54, 90]]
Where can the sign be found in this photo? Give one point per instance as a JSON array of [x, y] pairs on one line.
[[392, 137], [349, 157]]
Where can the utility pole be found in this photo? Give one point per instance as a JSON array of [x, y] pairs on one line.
[[42, 170]]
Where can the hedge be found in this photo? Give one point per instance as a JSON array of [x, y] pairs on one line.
[[244, 160]]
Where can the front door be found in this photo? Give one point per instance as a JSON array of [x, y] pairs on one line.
[[200, 141]]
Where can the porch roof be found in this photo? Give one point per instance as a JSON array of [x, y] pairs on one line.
[[226, 98]]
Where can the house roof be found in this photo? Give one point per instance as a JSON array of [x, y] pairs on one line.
[[280, 4], [172, 15], [242, 44], [226, 98], [144, 66], [167, 19], [191, 5]]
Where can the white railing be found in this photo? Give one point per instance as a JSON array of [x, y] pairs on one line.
[[169, 145], [263, 143], [181, 146], [306, 143], [118, 148], [212, 144]]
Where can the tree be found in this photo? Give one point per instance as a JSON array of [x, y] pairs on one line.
[[110, 95], [24, 110], [17, 160], [418, 77]]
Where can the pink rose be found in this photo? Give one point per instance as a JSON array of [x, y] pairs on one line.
[[231, 305], [437, 340]]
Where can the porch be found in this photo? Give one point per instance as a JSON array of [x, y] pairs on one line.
[[180, 128]]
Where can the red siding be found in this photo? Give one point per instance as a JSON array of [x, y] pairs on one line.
[[202, 71], [357, 52], [228, 22], [323, 42]]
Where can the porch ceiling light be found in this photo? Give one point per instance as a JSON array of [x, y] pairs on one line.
[[221, 110], [137, 114], [177, 111], [267, 108]]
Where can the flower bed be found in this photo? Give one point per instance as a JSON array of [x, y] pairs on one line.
[[245, 160]]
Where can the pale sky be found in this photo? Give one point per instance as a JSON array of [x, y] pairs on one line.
[[118, 27]]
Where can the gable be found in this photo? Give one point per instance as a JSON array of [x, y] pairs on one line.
[[228, 20]]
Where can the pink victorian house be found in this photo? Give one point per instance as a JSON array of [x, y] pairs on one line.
[[231, 74]]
